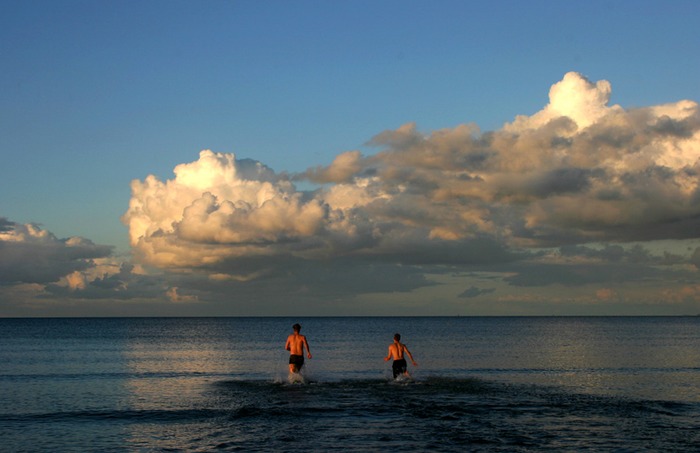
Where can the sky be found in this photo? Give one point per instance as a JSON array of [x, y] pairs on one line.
[[360, 158]]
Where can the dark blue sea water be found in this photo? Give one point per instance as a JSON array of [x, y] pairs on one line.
[[220, 384]]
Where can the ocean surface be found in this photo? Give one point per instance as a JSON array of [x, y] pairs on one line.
[[221, 384]]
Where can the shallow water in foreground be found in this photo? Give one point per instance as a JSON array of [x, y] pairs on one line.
[[220, 384]]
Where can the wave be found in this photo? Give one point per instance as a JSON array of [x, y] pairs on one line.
[[436, 413], [132, 415]]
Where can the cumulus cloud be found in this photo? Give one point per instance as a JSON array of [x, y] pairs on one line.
[[344, 167], [41, 273], [574, 97], [30, 254], [217, 208], [577, 171]]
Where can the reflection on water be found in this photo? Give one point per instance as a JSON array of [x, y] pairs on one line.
[[636, 357], [171, 362]]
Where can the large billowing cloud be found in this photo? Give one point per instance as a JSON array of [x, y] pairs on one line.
[[578, 171], [219, 208]]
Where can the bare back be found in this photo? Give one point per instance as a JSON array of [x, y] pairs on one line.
[[296, 343], [396, 350]]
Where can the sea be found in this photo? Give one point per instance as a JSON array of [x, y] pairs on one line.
[[510, 384]]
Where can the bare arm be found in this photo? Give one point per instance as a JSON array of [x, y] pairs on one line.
[[410, 355], [308, 350], [388, 355]]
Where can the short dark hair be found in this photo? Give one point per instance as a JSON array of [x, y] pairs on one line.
[[296, 327], [397, 337]]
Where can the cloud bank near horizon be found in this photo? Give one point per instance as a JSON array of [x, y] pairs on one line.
[[32, 255], [578, 171]]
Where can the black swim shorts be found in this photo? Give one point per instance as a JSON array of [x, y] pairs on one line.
[[297, 360], [399, 367]]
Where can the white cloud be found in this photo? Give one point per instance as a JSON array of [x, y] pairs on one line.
[[216, 208], [574, 97], [30, 254]]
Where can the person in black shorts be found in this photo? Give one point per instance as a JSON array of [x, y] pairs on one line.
[[295, 345], [397, 351]]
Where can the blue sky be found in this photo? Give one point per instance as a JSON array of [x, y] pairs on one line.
[[97, 94]]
